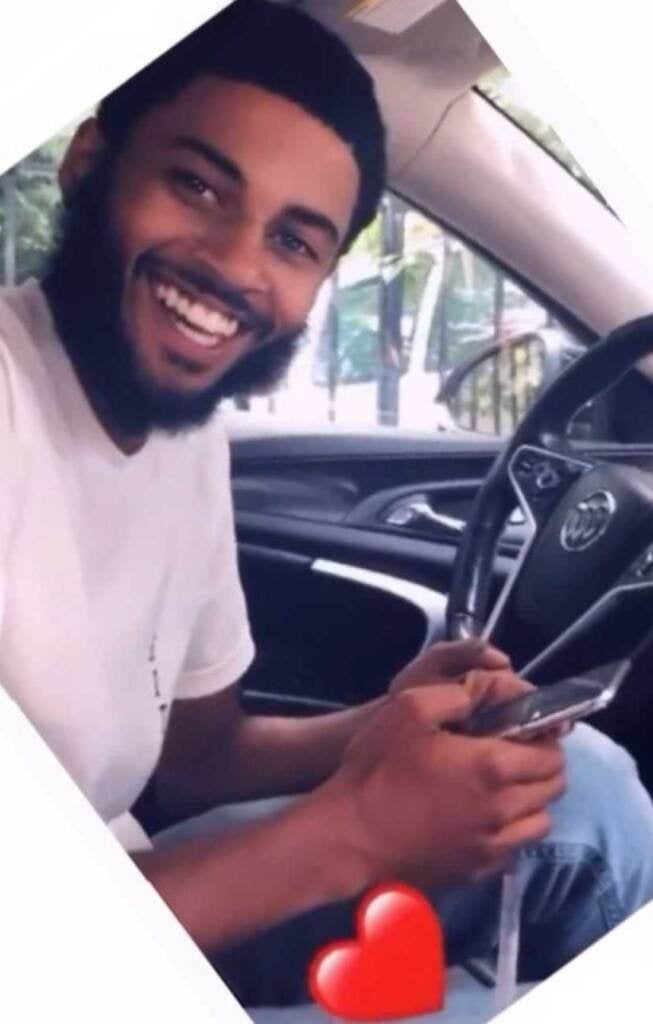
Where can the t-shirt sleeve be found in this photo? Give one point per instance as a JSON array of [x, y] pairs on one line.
[[12, 470], [130, 834], [221, 647], [14, 463]]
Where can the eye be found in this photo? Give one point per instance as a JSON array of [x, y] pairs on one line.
[[190, 182], [293, 244]]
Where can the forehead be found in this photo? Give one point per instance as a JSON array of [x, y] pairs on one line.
[[284, 153]]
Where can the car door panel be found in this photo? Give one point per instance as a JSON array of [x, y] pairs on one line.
[[331, 631], [338, 598]]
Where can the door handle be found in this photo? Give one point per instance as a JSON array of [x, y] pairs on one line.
[[418, 510]]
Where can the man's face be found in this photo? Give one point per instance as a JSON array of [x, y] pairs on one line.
[[228, 207], [190, 259]]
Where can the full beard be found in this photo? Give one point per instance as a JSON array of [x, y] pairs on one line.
[[84, 285]]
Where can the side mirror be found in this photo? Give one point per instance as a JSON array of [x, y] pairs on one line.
[[491, 391]]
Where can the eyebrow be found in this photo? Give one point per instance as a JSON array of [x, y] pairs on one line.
[[313, 219], [212, 155], [301, 214]]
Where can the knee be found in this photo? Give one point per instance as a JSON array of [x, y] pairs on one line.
[[604, 796], [609, 812], [589, 751]]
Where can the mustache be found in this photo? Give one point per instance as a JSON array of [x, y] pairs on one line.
[[210, 282]]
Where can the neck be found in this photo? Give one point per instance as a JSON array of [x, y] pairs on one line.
[[128, 444]]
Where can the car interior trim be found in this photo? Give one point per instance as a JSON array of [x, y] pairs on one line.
[[431, 603]]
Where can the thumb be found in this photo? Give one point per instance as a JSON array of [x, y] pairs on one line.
[[448, 660], [456, 657], [440, 704]]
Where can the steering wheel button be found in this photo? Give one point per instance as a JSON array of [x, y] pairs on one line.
[[546, 477]]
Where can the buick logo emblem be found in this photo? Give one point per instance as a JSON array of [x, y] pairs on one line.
[[588, 521]]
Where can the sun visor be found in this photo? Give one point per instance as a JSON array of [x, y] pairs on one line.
[[434, 39], [393, 16], [423, 55]]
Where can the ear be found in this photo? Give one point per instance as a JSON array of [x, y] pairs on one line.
[[82, 154]]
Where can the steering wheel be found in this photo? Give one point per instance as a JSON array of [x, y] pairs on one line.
[[582, 586]]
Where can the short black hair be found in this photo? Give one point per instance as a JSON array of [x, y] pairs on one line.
[[283, 51]]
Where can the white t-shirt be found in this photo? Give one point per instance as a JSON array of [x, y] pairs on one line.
[[119, 588]]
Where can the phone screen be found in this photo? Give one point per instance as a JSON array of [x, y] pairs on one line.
[[549, 703]]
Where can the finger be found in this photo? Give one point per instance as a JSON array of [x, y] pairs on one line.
[[455, 657], [494, 687], [508, 763], [432, 706], [531, 829], [448, 660], [552, 733], [525, 800], [500, 848], [493, 658]]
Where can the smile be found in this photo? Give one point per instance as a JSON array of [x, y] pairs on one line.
[[206, 327]]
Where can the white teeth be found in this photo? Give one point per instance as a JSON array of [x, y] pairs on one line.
[[213, 323], [205, 340], [197, 313], [202, 325]]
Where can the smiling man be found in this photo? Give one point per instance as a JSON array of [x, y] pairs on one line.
[[204, 207], [211, 229]]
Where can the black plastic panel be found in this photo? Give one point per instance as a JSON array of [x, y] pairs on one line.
[[322, 637]]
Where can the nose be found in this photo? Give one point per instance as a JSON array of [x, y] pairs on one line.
[[237, 251]]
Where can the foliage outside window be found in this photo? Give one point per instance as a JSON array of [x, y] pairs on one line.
[[29, 197]]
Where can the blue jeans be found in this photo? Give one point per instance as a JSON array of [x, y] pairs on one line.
[[593, 870]]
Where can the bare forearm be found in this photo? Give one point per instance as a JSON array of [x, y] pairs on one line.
[[276, 756], [222, 891], [256, 758]]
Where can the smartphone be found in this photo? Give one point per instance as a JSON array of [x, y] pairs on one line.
[[533, 713]]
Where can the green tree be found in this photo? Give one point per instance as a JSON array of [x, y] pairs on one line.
[[29, 201]]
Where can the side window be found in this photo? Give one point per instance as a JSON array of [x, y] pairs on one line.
[[416, 331], [29, 200]]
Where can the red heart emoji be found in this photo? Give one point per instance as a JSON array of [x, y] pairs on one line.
[[394, 969]]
